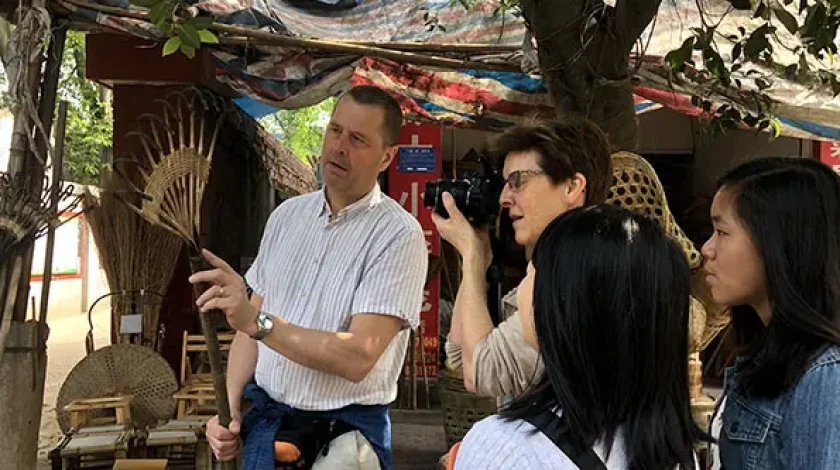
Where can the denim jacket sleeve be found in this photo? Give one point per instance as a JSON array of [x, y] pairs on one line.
[[813, 422]]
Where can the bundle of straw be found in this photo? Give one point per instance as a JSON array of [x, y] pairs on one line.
[[134, 254]]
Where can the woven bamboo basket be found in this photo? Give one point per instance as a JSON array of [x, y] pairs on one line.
[[637, 187], [461, 409]]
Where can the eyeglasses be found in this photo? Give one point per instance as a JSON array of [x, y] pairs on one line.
[[515, 180]]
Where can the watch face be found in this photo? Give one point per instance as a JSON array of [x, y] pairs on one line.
[[264, 322]]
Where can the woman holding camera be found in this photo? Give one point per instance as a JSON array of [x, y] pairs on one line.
[[774, 257], [549, 168]]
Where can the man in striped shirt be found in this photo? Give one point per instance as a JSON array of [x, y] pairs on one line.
[[338, 282]]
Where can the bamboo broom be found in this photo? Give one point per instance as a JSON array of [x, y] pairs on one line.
[[126, 242], [172, 191]]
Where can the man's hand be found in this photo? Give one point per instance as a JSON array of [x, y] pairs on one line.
[[470, 243], [227, 293], [224, 442]]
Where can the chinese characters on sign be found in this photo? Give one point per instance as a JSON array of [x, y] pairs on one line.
[[418, 161], [829, 153]]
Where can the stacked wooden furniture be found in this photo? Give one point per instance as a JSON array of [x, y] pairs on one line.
[[196, 399], [180, 442], [106, 402], [101, 433]]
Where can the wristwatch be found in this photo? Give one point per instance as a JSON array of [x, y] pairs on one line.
[[264, 326]]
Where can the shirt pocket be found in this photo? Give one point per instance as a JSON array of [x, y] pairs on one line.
[[747, 429]]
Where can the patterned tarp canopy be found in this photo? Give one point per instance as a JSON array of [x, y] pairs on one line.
[[277, 77]]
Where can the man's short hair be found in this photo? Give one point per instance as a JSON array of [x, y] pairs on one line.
[[392, 118], [564, 147]]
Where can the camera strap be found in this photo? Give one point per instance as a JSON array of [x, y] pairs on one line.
[[557, 429]]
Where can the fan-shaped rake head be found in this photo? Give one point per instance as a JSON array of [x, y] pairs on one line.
[[174, 169], [25, 214]]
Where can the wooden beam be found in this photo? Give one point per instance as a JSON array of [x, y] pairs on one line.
[[116, 59], [245, 36]]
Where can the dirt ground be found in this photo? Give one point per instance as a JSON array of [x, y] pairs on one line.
[[65, 348]]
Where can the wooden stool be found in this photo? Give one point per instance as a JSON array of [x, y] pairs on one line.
[[193, 346], [196, 401], [80, 411]]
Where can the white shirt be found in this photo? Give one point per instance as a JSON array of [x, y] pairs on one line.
[[318, 273], [495, 443]]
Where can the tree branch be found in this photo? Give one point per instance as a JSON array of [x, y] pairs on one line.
[[632, 17]]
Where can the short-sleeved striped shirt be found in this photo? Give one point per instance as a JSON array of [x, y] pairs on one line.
[[318, 271]]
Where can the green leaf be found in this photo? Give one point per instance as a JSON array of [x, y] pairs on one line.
[[189, 36], [736, 51], [172, 45], [803, 66], [777, 128], [762, 84], [787, 19], [741, 4], [207, 37], [146, 3], [678, 57], [714, 64], [762, 12], [188, 51], [160, 13], [758, 42], [201, 22]]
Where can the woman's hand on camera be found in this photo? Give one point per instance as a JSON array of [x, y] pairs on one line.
[[471, 243]]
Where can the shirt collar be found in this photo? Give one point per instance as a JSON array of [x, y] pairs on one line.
[[369, 200]]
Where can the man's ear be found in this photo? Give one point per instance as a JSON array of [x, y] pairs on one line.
[[389, 156]]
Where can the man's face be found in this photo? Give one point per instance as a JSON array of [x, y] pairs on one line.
[[354, 150]]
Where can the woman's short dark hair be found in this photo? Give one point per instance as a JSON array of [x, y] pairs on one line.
[[790, 207], [565, 147], [611, 310]]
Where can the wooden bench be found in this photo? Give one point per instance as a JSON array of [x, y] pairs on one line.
[[93, 446]]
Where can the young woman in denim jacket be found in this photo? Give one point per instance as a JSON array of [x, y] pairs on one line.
[[774, 257]]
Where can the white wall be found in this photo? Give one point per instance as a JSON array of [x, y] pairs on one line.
[[7, 121]]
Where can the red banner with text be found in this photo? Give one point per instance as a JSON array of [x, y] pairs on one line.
[[419, 160], [829, 153]]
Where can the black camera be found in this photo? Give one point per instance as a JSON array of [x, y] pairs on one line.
[[476, 194]]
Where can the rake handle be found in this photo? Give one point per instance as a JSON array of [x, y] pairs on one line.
[[214, 353]]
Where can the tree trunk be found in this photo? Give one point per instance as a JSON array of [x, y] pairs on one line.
[[585, 60]]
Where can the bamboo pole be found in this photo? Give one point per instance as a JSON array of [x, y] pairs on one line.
[[54, 196], [35, 169], [244, 36], [214, 354], [6, 325]]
